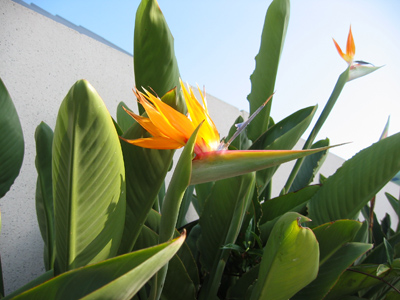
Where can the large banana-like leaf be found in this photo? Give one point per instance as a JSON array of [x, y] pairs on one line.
[[331, 270], [11, 141], [179, 273], [220, 222], [290, 259], [282, 136], [155, 63], [345, 193], [310, 166], [356, 279], [116, 278], [145, 173], [88, 181], [44, 191], [267, 61], [150, 238], [278, 206], [337, 252], [218, 165]]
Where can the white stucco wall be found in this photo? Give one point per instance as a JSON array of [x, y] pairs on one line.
[[40, 60]]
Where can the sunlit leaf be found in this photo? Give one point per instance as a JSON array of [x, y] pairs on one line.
[[88, 181], [117, 278], [224, 164], [345, 193], [155, 63], [267, 61], [290, 259]]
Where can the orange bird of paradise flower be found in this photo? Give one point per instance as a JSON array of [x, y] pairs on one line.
[[350, 48], [171, 129], [358, 68]]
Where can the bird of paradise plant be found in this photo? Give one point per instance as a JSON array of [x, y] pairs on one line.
[[112, 230]]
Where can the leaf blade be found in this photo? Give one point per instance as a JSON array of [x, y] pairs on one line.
[[11, 141], [88, 180]]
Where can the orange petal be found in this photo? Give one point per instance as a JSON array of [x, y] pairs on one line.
[[208, 131], [155, 143], [339, 49], [350, 47], [145, 123], [161, 121], [177, 120]]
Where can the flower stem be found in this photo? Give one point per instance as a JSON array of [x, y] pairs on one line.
[[321, 120]]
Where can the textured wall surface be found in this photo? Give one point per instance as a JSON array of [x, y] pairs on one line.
[[40, 60]]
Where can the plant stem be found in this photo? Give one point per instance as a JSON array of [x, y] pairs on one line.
[[321, 120]]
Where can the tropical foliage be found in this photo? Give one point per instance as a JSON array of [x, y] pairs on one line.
[[113, 228]]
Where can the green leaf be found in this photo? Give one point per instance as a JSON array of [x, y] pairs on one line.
[[155, 64], [356, 279], [44, 191], [145, 173], [124, 120], [267, 61], [150, 238], [278, 206], [282, 136], [179, 269], [225, 164], [332, 236], [172, 202], [337, 253], [331, 270], [389, 251], [11, 141], [187, 199], [203, 191], [396, 207], [88, 181], [286, 133], [345, 193], [182, 269], [116, 278], [273, 209], [290, 259], [243, 285], [310, 166], [179, 182], [378, 255], [220, 222]]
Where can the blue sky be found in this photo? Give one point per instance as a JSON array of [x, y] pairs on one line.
[[216, 42]]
